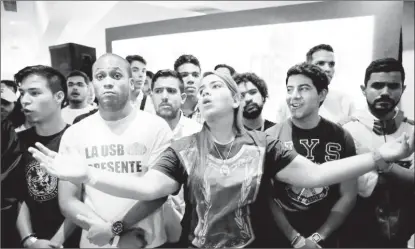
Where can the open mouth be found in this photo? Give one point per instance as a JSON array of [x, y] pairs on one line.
[[295, 105], [206, 101]]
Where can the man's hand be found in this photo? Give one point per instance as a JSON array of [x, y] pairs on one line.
[[43, 243], [310, 244], [57, 165], [99, 232], [398, 149], [133, 238]]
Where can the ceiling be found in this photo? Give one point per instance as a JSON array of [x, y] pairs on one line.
[[27, 33]]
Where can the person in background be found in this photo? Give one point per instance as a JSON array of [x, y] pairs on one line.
[[8, 98], [78, 91], [337, 106], [188, 66], [223, 68], [385, 211], [138, 98], [148, 82], [254, 92], [312, 216]]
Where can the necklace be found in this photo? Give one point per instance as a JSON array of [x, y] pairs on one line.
[[224, 169]]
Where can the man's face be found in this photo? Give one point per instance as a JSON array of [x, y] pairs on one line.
[[38, 102], [77, 89], [302, 97], [383, 92], [252, 100], [191, 77], [215, 99], [6, 106], [223, 70], [167, 98], [139, 74], [324, 60], [112, 83], [147, 86]]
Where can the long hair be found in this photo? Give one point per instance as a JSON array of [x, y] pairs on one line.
[[204, 141]]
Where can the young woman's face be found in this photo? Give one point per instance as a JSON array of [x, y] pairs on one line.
[[215, 98]]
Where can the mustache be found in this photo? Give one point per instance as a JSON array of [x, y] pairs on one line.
[[251, 104], [384, 99]]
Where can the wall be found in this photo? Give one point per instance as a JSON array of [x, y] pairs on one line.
[[407, 102]]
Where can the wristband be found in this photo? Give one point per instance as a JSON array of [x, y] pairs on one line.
[[295, 239], [27, 237], [115, 241], [29, 241]]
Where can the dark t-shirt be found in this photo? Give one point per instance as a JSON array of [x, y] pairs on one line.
[[227, 202], [308, 208], [267, 125], [40, 191]]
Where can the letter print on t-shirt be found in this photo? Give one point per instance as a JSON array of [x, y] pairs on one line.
[[41, 185], [226, 225]]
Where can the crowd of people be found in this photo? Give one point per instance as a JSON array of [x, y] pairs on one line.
[[128, 158]]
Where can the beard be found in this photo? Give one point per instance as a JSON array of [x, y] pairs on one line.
[[382, 111], [168, 114], [252, 111]]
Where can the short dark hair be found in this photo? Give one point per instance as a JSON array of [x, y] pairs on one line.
[[231, 69], [131, 58], [149, 74], [56, 80], [318, 77], [10, 83], [186, 58], [168, 73], [385, 65], [257, 81], [326, 47], [78, 73]]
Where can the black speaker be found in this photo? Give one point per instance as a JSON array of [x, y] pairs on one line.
[[71, 56]]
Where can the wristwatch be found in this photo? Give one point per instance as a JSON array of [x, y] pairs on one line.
[[117, 228], [381, 164], [316, 237]]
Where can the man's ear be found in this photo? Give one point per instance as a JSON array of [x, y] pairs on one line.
[[59, 97], [184, 97], [236, 101], [363, 89], [131, 81], [322, 95]]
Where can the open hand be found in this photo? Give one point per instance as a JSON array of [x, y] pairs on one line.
[[99, 232], [71, 169]]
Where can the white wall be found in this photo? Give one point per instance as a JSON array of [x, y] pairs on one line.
[[267, 50]]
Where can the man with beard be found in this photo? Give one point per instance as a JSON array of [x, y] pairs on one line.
[[189, 69], [138, 98], [312, 216], [254, 92], [115, 140], [78, 90], [385, 213], [337, 106]]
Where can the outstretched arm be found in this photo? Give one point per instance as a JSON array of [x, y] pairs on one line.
[[303, 173]]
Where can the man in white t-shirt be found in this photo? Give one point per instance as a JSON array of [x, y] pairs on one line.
[[138, 98], [337, 106], [78, 91], [118, 139]]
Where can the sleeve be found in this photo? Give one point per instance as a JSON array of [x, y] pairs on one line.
[[170, 165], [162, 141], [350, 148], [277, 155]]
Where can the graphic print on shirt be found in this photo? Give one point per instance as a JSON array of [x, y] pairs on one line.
[[42, 186], [117, 158], [223, 198], [309, 196]]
